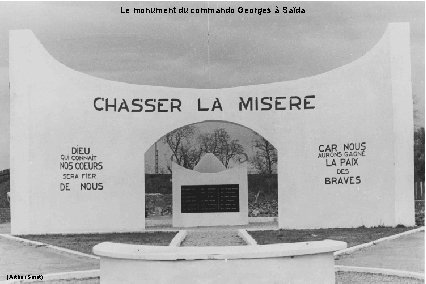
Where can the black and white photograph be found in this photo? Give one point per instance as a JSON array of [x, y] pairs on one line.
[[212, 142]]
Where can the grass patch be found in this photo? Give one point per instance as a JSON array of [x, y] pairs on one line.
[[352, 236], [85, 242]]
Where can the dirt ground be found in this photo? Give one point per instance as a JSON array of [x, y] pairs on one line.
[[367, 278], [213, 238]]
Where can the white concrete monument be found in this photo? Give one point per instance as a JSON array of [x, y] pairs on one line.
[[210, 195], [344, 140]]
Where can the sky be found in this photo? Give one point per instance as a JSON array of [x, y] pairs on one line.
[[175, 50]]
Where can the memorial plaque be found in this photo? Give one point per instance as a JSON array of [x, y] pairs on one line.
[[210, 198]]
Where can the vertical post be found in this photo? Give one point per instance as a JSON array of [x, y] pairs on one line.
[[156, 158]]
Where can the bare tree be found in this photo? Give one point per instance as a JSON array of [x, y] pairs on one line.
[[187, 151], [181, 143], [265, 157], [233, 151], [222, 146]]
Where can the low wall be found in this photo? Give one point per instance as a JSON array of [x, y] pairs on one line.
[[307, 262]]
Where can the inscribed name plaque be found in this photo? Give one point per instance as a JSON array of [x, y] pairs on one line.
[[209, 195], [210, 198]]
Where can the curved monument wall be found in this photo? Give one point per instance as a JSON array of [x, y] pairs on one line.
[[365, 106]]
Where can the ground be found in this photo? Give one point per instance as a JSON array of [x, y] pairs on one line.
[[364, 278], [404, 253], [352, 236], [18, 258], [212, 238], [85, 242]]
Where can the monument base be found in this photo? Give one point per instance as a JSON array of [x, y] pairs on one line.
[[307, 262]]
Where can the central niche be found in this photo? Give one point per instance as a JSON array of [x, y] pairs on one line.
[[205, 150], [209, 195]]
